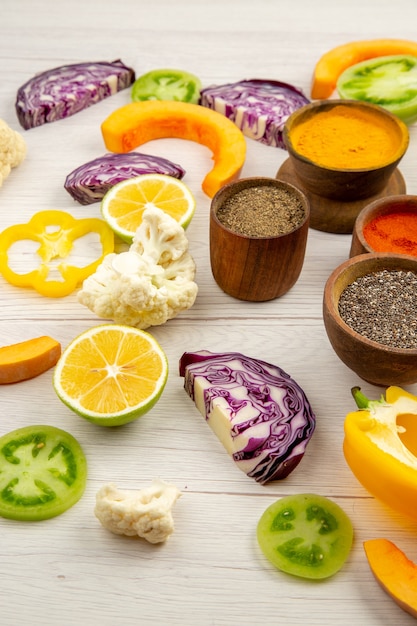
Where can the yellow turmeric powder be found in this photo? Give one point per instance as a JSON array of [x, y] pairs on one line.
[[346, 138]]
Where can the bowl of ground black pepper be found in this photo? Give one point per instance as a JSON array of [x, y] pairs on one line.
[[387, 225], [343, 154], [258, 237], [370, 316]]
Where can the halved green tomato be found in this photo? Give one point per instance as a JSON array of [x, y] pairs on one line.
[[305, 535], [167, 84], [43, 472], [390, 82]]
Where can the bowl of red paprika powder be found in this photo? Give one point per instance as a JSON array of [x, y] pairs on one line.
[[387, 225]]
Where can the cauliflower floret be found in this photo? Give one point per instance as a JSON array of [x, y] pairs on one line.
[[145, 513], [150, 283], [12, 150]]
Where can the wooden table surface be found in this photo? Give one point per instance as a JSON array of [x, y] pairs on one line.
[[69, 570]]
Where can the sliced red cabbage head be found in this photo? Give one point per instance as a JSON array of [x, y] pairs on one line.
[[258, 107], [258, 412], [63, 91], [89, 182]]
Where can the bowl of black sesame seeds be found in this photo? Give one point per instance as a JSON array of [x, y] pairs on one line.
[[370, 316]]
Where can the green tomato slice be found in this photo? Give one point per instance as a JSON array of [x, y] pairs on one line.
[[305, 535], [390, 82], [43, 472], [167, 84]]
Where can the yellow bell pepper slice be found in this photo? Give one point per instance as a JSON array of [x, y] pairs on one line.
[[380, 447], [56, 232]]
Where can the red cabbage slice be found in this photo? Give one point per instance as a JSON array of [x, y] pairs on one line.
[[258, 107], [258, 412], [63, 91], [88, 183]]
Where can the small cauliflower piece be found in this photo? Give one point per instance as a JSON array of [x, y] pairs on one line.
[[146, 513], [150, 283], [12, 150]]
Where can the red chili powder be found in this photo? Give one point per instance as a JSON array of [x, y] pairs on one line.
[[393, 232]]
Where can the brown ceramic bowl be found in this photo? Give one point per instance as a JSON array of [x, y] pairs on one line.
[[348, 184], [374, 362], [257, 268], [384, 206]]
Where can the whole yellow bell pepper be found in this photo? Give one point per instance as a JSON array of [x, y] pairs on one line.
[[56, 232], [380, 447]]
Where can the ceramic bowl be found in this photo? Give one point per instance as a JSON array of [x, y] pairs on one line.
[[373, 362], [344, 184], [256, 268], [384, 206]]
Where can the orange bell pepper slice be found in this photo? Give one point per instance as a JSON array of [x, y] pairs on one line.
[[56, 232]]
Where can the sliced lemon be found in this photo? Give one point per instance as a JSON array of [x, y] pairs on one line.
[[111, 374], [123, 205]]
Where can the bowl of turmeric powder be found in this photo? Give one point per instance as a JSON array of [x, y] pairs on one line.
[[387, 225], [344, 150]]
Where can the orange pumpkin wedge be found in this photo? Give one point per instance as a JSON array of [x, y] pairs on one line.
[[394, 571], [27, 359], [136, 123], [335, 61]]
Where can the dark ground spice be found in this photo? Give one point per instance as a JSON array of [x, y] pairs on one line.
[[263, 211], [382, 306]]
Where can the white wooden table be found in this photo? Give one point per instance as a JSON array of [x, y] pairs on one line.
[[70, 571]]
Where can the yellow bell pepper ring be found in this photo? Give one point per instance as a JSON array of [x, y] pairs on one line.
[[56, 232], [380, 447]]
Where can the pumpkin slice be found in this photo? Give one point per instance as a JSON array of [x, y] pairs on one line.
[[28, 359], [330, 66], [136, 123], [394, 571]]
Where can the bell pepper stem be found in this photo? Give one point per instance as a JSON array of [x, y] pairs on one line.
[[361, 400]]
